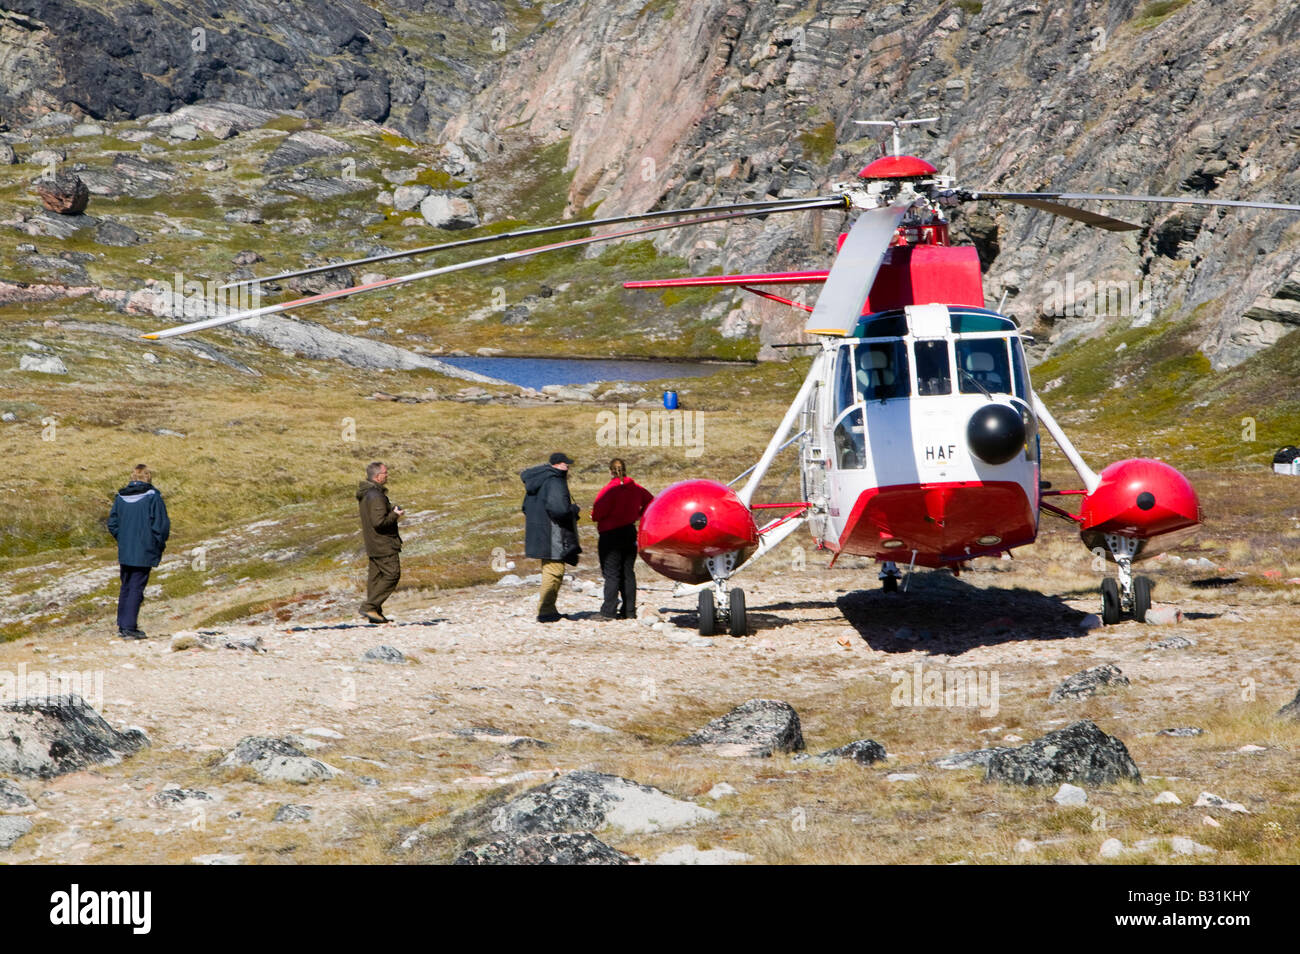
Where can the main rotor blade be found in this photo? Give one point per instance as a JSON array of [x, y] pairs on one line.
[[771, 205], [853, 272], [1095, 219], [220, 320], [1107, 197]]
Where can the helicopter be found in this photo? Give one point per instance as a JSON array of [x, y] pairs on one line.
[[917, 428]]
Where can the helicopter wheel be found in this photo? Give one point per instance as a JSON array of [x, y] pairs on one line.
[[1141, 597], [708, 613], [1110, 604], [739, 625], [889, 584]]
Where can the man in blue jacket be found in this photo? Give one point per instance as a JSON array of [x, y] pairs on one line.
[[550, 528], [139, 524]]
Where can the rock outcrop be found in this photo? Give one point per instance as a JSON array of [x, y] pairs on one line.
[[277, 760], [1080, 753], [43, 738], [1088, 683], [561, 848], [755, 729], [592, 801]]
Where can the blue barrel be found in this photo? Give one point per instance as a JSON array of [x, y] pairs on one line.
[[670, 400]]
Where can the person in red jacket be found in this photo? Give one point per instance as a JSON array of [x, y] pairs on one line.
[[616, 510]]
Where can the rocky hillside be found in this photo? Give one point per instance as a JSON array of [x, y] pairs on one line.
[[687, 103], [683, 103]]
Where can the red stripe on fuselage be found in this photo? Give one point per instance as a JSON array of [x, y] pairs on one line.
[[941, 521]]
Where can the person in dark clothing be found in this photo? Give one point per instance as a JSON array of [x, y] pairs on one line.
[[550, 528], [383, 542], [139, 524], [616, 510]]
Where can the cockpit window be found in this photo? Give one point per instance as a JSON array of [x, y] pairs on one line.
[[933, 375], [882, 370], [982, 365], [844, 396]]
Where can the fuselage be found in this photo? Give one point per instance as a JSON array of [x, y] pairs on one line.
[[904, 458]]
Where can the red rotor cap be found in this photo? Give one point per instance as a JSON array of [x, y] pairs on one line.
[[897, 167]]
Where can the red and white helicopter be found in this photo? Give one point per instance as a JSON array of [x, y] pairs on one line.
[[917, 428]]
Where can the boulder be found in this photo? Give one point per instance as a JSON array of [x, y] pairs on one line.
[[757, 729], [384, 654], [277, 760], [591, 801], [407, 197], [979, 758], [293, 813], [863, 751], [180, 798], [559, 848], [446, 210], [300, 147], [1080, 753], [12, 828], [186, 132], [42, 363], [1084, 684], [14, 799], [65, 194], [1174, 642], [1069, 794], [1183, 732], [116, 234], [46, 737]]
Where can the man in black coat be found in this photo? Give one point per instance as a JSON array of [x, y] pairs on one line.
[[140, 525], [383, 542], [550, 528]]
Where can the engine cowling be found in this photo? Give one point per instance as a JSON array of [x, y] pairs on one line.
[[691, 521], [1138, 498]]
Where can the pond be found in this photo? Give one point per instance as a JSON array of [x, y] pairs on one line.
[[537, 372]]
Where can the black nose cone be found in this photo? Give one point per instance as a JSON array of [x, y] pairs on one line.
[[995, 433], [699, 520]]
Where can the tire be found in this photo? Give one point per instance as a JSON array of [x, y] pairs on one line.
[[1110, 604], [889, 584], [739, 625], [1141, 598], [708, 613]]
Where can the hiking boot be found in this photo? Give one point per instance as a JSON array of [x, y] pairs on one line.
[[131, 633], [549, 617], [372, 617]]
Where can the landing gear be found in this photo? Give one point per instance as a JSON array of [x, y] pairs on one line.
[[889, 584], [889, 576], [708, 613], [720, 605], [739, 625], [1126, 593]]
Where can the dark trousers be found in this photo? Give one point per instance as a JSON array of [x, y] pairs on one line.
[[131, 595], [617, 550], [385, 571]]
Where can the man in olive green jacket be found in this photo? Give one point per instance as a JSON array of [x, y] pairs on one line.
[[383, 542]]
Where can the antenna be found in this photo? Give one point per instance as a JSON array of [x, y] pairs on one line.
[[896, 124]]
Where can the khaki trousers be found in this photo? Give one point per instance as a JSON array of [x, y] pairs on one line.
[[385, 571], [552, 580]]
